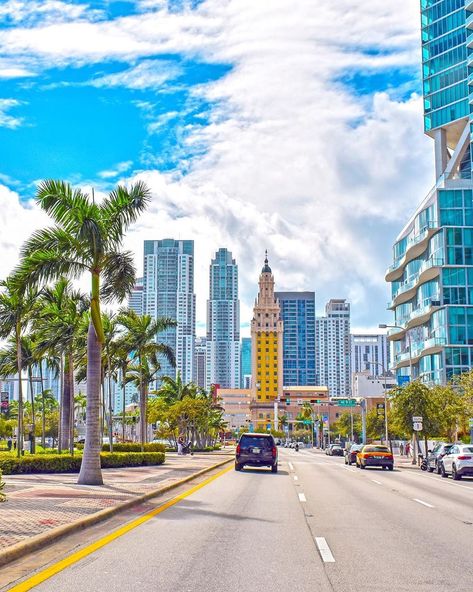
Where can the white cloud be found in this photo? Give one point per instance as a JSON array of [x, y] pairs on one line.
[[30, 12], [119, 169], [147, 74], [7, 120], [295, 161]]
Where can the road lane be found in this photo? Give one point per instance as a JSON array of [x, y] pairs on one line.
[[244, 530], [383, 540]]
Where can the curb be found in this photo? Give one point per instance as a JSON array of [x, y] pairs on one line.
[[20, 549]]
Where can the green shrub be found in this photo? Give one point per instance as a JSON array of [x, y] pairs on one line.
[[64, 463], [3, 497], [134, 447]]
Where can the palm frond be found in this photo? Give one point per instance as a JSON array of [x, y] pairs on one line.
[[119, 276]]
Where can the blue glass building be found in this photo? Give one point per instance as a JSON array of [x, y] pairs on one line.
[[245, 363], [432, 272], [298, 316]]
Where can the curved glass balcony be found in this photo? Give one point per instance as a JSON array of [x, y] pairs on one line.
[[415, 247], [427, 271], [422, 348]]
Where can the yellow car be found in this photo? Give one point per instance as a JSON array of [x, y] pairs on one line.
[[375, 455]]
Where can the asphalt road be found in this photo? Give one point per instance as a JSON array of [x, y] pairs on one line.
[[315, 526]]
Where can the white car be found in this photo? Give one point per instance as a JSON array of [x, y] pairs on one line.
[[458, 462]]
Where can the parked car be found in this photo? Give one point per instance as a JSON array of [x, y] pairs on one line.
[[458, 462], [350, 453], [337, 450], [375, 455], [329, 449], [435, 456], [256, 450]]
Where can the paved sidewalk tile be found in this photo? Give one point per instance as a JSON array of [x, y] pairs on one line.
[[37, 503]]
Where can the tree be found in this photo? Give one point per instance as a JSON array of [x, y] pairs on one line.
[[343, 425], [16, 304], [140, 336], [87, 238], [46, 403]]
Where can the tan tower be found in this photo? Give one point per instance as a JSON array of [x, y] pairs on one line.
[[266, 347]]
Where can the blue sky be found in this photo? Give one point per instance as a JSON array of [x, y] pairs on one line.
[[256, 127]]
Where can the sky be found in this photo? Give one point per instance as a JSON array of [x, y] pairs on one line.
[[288, 125]]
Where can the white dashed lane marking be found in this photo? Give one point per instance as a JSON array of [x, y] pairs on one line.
[[291, 466], [296, 478], [423, 503], [324, 550], [302, 497]]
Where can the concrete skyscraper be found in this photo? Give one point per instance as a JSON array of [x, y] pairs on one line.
[[201, 362], [432, 272], [135, 300], [223, 322], [168, 291], [266, 350], [369, 353], [298, 316], [333, 348]]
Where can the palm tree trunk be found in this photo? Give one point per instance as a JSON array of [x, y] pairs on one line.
[[43, 414], [142, 408], [61, 389], [66, 405], [71, 407], [110, 403], [19, 444], [90, 470], [123, 403], [33, 415]]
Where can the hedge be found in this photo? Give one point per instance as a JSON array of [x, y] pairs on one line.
[[205, 449], [134, 447], [64, 463], [3, 497]]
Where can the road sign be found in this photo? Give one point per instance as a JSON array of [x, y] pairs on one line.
[[417, 426], [307, 421], [347, 402], [417, 418]]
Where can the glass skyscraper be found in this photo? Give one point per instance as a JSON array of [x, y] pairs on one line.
[[432, 272], [168, 291], [245, 363], [223, 322], [298, 316]]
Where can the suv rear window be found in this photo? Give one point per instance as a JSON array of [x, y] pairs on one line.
[[256, 441]]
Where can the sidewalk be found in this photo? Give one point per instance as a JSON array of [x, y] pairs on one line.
[[404, 462], [40, 503]]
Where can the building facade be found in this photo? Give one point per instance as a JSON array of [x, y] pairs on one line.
[[333, 348], [298, 316], [201, 361], [369, 353], [431, 276], [266, 350], [223, 322], [245, 363], [135, 300], [168, 291]]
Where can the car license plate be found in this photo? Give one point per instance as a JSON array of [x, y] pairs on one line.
[[256, 450]]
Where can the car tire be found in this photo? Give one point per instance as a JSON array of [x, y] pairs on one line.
[[430, 469], [391, 467], [443, 472], [438, 468], [274, 468], [455, 475], [238, 467]]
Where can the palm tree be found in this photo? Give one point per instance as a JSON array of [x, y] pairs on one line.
[[87, 238], [140, 335], [16, 304], [61, 311], [45, 403], [121, 355], [173, 389]]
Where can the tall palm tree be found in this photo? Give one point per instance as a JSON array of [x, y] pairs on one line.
[[45, 403], [121, 354], [87, 238], [173, 389], [141, 336], [16, 304]]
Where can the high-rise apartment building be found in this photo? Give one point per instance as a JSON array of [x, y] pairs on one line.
[[245, 363], [369, 353], [333, 348], [298, 316], [223, 322], [266, 349], [201, 361], [135, 300], [432, 272], [168, 291]]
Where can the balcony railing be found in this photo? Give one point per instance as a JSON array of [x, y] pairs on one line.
[[412, 241], [418, 348]]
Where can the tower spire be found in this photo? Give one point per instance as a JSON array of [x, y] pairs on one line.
[[266, 268]]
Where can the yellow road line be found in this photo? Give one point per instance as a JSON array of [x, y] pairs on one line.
[[78, 555]]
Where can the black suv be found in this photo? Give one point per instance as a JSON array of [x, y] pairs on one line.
[[256, 450], [434, 458]]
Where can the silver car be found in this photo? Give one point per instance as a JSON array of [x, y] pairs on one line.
[[458, 462]]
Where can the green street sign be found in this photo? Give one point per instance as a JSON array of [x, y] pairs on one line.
[[347, 402], [307, 421]]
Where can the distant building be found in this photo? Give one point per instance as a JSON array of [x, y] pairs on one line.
[[223, 322], [236, 405], [369, 353], [367, 385], [135, 300], [333, 348], [168, 291], [298, 316], [245, 363], [201, 361], [266, 350]]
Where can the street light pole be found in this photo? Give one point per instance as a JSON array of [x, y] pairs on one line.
[[386, 431]]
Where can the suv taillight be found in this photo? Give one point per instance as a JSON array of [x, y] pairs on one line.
[[464, 457], [274, 451], [238, 449]]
